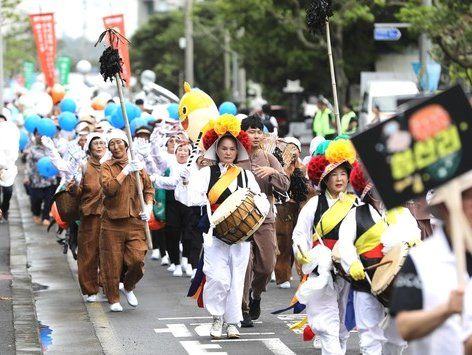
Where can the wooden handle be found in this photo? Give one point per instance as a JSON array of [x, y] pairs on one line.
[[194, 149], [375, 266], [301, 251]]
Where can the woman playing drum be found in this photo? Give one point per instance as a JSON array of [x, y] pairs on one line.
[[224, 265], [366, 235], [315, 235]]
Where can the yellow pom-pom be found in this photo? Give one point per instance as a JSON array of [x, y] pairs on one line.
[[208, 126], [227, 123], [341, 150]]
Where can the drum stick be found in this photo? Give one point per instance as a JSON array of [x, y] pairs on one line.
[[375, 266], [194, 149], [301, 251]]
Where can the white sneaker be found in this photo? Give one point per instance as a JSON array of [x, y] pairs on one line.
[[272, 277], [216, 330], [178, 271], [188, 270], [184, 262], [156, 254], [171, 268], [130, 297], [121, 286], [116, 307], [317, 342], [232, 332], [91, 298], [165, 260], [285, 284]]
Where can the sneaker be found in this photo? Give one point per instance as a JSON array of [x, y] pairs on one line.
[[121, 286], [184, 262], [285, 284], [91, 298], [255, 309], [272, 277], [156, 254], [216, 330], [188, 270], [46, 222], [171, 268], [247, 321], [317, 342], [178, 271], [116, 307], [232, 331], [165, 260], [130, 297]]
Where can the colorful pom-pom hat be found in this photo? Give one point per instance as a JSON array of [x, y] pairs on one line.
[[224, 126], [360, 182]]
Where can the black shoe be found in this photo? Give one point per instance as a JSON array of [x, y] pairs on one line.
[[255, 309], [247, 321]]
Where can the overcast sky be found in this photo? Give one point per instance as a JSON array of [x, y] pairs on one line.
[[76, 17]]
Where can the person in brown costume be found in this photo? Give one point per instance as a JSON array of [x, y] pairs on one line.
[[89, 192], [122, 238], [269, 175]]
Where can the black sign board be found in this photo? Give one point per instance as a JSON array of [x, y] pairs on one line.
[[419, 149]]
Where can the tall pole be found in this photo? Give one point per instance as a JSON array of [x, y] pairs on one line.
[[333, 79], [425, 49], [227, 61], [189, 74], [1, 60]]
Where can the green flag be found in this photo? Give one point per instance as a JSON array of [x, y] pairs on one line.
[[63, 66], [28, 73]]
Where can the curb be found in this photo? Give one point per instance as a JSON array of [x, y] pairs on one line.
[[25, 321]]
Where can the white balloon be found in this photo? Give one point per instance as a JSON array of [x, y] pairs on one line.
[[84, 66], [147, 76], [43, 103]]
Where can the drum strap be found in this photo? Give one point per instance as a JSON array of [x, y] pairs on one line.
[[371, 237], [223, 183], [334, 215]]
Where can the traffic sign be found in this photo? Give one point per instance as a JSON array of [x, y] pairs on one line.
[[387, 34]]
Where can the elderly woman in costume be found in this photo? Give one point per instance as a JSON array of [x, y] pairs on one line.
[[368, 233], [224, 264], [123, 239], [315, 234], [90, 196]]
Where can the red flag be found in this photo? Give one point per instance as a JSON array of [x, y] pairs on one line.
[[117, 22], [45, 39]]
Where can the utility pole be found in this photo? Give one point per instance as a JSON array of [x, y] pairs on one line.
[[1, 60], [227, 61], [425, 49], [236, 93], [189, 74]]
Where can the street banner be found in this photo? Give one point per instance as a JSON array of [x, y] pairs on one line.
[[63, 67], [45, 39], [117, 22], [419, 149], [28, 73]]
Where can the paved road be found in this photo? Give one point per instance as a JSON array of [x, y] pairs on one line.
[[7, 344]]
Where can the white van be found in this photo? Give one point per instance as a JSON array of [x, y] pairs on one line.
[[384, 94]]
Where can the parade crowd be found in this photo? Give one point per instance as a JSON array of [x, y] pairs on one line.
[[243, 207]]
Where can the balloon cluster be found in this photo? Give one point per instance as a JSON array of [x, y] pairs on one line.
[[115, 114], [46, 168]]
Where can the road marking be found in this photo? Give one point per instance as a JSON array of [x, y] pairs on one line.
[[177, 330], [179, 318], [197, 348], [203, 330], [273, 344]]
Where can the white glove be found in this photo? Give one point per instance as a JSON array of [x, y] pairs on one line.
[[142, 147], [185, 173], [48, 142], [76, 152], [133, 165], [146, 214]]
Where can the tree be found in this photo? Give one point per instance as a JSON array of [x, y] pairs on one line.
[[449, 25]]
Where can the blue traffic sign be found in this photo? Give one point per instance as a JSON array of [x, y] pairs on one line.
[[387, 34]]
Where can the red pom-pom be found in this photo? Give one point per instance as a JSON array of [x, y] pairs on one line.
[[357, 178], [244, 139], [315, 168], [308, 333], [209, 138]]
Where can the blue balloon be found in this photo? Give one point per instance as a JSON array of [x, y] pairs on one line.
[[137, 111], [31, 123], [136, 123], [110, 109], [46, 168], [24, 139], [173, 110], [150, 119], [67, 121], [46, 127], [117, 120], [67, 105], [228, 107], [130, 112]]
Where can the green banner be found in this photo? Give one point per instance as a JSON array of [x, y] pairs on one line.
[[63, 66], [28, 73]]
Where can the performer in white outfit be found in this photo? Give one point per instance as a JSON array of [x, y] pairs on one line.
[[367, 233], [224, 265], [315, 234]]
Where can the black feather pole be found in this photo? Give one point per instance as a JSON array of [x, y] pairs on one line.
[[298, 186], [110, 60], [317, 14]]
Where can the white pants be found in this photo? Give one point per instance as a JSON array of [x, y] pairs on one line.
[[373, 339], [225, 268], [326, 311]]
